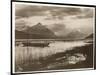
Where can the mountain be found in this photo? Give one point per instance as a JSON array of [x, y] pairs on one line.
[[20, 35], [90, 36], [37, 32], [75, 35], [21, 27]]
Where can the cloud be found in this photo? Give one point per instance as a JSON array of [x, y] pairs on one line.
[[52, 12], [55, 12], [61, 20], [59, 29], [30, 11], [86, 13]]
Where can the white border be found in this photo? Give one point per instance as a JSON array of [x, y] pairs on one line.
[[13, 37]]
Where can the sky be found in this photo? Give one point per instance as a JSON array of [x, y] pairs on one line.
[[61, 20]]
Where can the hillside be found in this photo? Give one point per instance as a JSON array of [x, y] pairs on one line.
[[90, 36], [75, 35], [35, 32], [20, 35]]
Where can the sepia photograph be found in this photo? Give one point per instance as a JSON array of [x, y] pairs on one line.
[[52, 37]]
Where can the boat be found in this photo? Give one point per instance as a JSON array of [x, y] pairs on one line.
[[36, 44]]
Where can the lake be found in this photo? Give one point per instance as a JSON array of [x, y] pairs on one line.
[[33, 55]]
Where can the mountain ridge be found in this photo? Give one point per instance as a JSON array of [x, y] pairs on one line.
[[89, 36], [36, 32], [40, 31]]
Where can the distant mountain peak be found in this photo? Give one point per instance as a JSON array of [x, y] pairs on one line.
[[21, 27], [39, 24], [89, 36], [39, 31], [76, 34]]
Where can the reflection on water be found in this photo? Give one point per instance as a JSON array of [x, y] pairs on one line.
[[24, 54]]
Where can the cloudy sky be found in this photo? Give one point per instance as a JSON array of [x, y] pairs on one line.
[[61, 20]]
